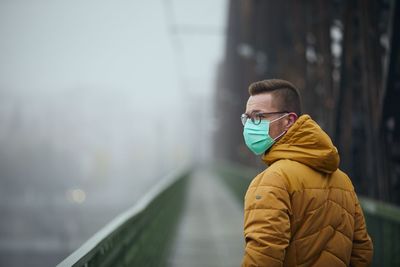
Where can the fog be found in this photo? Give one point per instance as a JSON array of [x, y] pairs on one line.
[[98, 101]]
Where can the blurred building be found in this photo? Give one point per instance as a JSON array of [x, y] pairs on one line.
[[343, 56]]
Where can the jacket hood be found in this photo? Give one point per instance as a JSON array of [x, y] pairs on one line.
[[307, 143]]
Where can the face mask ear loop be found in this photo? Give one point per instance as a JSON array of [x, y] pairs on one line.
[[279, 136], [279, 118]]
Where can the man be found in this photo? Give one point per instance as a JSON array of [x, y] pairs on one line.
[[302, 210]]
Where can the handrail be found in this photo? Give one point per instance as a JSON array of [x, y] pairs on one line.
[[381, 209], [383, 222], [125, 236]]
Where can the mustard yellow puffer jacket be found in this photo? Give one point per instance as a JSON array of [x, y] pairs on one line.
[[302, 210]]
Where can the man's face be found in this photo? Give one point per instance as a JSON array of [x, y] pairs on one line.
[[264, 103]]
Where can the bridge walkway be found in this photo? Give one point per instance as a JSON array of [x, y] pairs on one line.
[[210, 232]]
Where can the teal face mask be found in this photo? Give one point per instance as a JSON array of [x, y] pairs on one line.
[[256, 136]]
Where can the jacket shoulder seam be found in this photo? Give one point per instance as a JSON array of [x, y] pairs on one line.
[[332, 187], [268, 185]]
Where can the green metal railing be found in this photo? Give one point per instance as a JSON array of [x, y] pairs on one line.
[[139, 236], [383, 219]]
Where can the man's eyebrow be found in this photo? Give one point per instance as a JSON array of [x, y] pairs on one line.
[[254, 111]]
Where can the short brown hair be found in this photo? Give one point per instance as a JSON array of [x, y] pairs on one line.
[[286, 94]]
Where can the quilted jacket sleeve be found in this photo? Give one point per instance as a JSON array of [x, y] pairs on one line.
[[361, 254], [266, 223]]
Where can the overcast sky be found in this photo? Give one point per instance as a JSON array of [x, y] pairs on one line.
[[114, 45]]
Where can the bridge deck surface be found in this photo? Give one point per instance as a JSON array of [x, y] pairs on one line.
[[210, 231]]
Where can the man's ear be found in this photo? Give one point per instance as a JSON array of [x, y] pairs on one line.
[[292, 117]]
